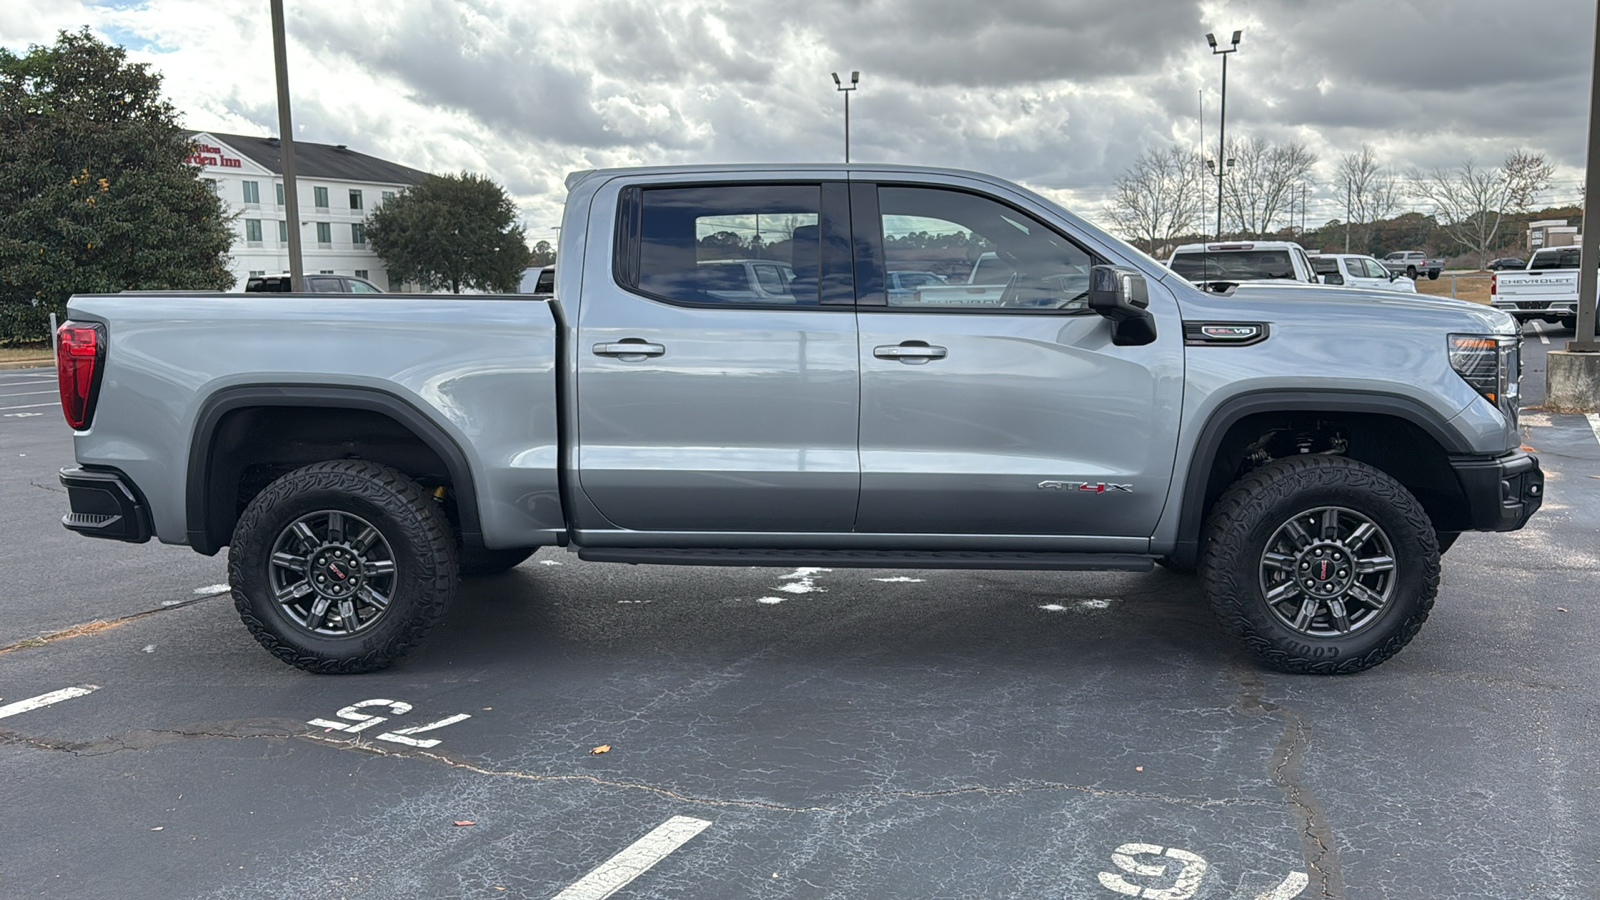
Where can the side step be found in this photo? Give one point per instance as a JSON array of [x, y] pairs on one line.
[[870, 559]]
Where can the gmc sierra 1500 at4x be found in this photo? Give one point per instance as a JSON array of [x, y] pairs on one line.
[[1092, 410]]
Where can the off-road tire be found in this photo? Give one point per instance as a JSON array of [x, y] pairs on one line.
[[1257, 509], [413, 530], [1411, 272], [477, 561], [1433, 274]]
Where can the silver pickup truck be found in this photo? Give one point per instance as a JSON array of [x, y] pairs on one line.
[[357, 456]]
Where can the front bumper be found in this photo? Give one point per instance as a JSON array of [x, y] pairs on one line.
[[1502, 492], [105, 504]]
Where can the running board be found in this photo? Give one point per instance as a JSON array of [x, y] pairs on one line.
[[870, 559]]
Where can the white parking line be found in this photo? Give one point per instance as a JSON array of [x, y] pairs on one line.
[[1289, 889], [30, 406], [27, 394], [32, 703], [615, 873], [1539, 329], [1594, 424]]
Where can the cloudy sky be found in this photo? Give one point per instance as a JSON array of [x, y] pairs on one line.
[[1057, 94]]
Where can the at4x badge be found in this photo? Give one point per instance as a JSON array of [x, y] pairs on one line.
[[1087, 487]]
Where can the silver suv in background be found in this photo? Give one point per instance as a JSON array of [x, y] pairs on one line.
[[316, 284]]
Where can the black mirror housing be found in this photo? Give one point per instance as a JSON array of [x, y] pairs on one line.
[[1120, 294]]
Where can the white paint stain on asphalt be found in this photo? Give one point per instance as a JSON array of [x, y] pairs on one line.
[[803, 581], [1053, 607], [549, 562], [43, 700], [770, 600], [615, 873], [1081, 604], [212, 589], [899, 579]]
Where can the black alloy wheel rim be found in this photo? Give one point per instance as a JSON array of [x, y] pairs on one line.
[[332, 573], [1328, 572]]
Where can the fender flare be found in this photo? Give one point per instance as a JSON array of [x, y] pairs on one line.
[[196, 502], [1234, 409]]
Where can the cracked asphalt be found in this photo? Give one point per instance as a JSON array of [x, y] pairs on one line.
[[847, 733]]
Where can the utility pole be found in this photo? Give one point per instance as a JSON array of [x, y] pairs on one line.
[[855, 80], [291, 195], [1222, 163], [1583, 337], [1347, 201]]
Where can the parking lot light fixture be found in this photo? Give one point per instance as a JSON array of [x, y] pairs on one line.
[[855, 80], [1221, 169]]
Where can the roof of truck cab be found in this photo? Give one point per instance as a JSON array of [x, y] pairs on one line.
[[578, 177]]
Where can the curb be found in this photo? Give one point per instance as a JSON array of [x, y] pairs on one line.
[[33, 363]]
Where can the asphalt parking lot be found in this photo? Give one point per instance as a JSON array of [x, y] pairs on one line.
[[792, 733]]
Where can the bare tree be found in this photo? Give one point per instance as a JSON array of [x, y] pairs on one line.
[[1260, 186], [1371, 192], [1469, 202], [1526, 175], [1158, 197]]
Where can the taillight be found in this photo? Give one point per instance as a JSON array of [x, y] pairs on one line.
[[80, 350], [1494, 283]]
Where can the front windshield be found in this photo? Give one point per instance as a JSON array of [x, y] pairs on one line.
[[1234, 265]]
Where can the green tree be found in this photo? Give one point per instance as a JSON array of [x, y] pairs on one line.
[[95, 195], [451, 232], [544, 253]]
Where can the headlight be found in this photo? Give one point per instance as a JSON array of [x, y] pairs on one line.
[[1492, 365]]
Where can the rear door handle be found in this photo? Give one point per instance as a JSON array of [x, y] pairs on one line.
[[910, 352], [631, 347]]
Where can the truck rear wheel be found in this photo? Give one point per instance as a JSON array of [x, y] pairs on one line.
[[342, 566], [1320, 564]]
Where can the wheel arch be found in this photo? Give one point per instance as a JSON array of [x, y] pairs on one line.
[[1215, 462], [415, 441]]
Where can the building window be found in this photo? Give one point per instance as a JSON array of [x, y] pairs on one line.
[[324, 235], [257, 273], [325, 272], [252, 193], [252, 231], [283, 232], [363, 273], [355, 199], [358, 234], [321, 196], [387, 196], [279, 186]]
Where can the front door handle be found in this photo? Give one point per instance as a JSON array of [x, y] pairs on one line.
[[913, 352], [630, 348]]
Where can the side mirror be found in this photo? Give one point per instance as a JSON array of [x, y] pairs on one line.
[[1394, 275], [1121, 295], [1333, 278]]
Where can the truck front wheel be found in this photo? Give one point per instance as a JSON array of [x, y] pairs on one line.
[[1320, 564], [342, 566], [1411, 272]]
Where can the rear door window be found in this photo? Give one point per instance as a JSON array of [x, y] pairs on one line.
[[695, 243]]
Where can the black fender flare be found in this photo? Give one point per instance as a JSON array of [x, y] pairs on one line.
[[1231, 411], [196, 502]]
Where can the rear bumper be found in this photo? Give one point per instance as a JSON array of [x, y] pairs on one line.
[[1502, 492], [104, 504], [1534, 309]]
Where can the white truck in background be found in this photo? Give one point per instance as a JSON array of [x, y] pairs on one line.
[[1547, 289]]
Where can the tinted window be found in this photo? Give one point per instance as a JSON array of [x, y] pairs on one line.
[[1234, 265], [1013, 260], [1325, 265], [1565, 258], [695, 243], [546, 284], [324, 284]]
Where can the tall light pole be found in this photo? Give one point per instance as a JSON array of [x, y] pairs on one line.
[[291, 200], [1222, 164], [855, 80]]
